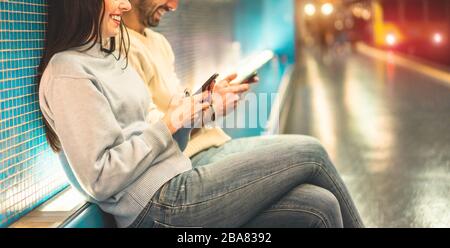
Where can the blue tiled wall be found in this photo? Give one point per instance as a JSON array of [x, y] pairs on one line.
[[29, 172]]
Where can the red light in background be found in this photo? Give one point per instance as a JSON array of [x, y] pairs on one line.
[[391, 40], [437, 38]]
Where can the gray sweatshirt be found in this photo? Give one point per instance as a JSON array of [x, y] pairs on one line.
[[116, 149]]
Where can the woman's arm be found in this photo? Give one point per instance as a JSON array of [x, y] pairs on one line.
[[102, 158]]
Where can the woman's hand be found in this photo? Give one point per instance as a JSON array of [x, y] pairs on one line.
[[186, 111], [226, 96]]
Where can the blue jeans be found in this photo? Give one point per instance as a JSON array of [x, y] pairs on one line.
[[270, 181]]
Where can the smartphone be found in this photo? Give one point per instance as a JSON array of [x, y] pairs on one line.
[[252, 75], [207, 85], [241, 80]]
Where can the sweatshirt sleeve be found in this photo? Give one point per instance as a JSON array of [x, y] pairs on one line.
[[103, 160]]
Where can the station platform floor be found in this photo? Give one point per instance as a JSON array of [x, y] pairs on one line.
[[386, 128]]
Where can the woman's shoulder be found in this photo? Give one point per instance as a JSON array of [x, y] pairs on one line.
[[70, 63], [63, 67], [61, 71]]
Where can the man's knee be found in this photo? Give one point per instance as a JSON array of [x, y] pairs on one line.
[[328, 205], [322, 203], [307, 146]]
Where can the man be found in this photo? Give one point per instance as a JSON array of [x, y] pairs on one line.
[[152, 56]]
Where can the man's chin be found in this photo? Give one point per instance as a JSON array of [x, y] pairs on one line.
[[153, 22]]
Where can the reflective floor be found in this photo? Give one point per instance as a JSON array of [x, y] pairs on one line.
[[386, 128]]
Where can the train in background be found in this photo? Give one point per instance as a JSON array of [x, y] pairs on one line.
[[415, 27]]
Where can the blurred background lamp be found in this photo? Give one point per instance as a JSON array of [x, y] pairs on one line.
[[327, 9], [366, 15], [310, 9], [391, 39], [437, 38], [339, 25]]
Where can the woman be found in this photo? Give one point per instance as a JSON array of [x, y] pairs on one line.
[[118, 150]]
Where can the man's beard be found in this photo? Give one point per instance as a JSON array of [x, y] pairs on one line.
[[149, 20], [150, 12]]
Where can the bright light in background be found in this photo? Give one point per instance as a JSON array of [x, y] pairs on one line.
[[310, 9], [391, 40], [327, 9], [366, 15], [361, 12], [437, 38]]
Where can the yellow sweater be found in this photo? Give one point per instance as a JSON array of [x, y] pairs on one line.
[[153, 58]]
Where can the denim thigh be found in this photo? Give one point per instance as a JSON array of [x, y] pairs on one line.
[[231, 190]]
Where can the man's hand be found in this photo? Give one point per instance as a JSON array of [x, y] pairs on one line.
[[226, 96]]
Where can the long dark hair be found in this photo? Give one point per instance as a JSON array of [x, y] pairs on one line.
[[71, 24]]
